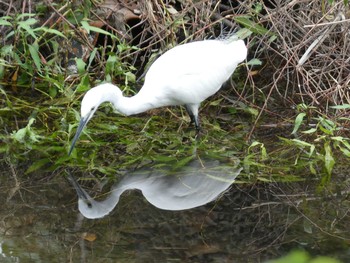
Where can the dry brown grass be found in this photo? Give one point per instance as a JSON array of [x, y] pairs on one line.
[[155, 26], [323, 78], [316, 30]]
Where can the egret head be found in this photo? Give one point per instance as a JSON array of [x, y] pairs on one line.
[[90, 208], [91, 101]]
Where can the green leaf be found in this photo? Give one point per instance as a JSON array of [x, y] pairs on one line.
[[312, 130], [262, 149], [36, 165], [216, 102], [28, 29], [254, 62], [301, 143], [12, 33], [92, 57], [52, 91], [19, 135], [55, 32], [340, 142], [324, 259], [80, 65], [252, 26], [293, 257], [84, 84], [272, 38], [243, 33], [263, 153], [339, 139], [328, 124], [22, 135], [6, 18], [4, 147], [304, 144], [328, 158], [50, 30], [7, 49], [2, 71], [298, 122], [345, 143], [129, 77], [33, 49], [183, 162], [29, 22], [89, 28], [258, 8], [255, 143], [346, 152], [312, 169], [26, 25], [5, 23], [341, 107], [110, 64], [252, 111], [307, 227], [20, 16]]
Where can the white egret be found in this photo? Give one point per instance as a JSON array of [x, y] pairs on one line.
[[191, 186], [184, 75]]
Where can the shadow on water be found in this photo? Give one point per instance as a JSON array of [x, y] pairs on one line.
[[40, 221]]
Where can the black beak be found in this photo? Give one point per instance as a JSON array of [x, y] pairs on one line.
[[81, 126], [80, 192]]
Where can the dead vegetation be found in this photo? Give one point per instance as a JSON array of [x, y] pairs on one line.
[[304, 50], [309, 59]]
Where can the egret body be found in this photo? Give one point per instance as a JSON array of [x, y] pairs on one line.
[[184, 75]]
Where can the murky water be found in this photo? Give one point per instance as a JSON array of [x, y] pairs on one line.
[[40, 220]]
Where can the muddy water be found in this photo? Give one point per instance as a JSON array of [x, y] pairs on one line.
[[40, 222]]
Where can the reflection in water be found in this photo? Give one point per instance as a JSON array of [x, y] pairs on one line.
[[252, 223], [193, 185]]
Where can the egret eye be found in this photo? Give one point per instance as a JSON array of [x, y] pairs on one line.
[[92, 109]]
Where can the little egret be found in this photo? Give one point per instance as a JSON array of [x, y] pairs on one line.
[[184, 75]]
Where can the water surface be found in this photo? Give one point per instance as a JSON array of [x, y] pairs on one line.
[[247, 223]]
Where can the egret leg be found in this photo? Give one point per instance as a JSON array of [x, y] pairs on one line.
[[192, 110]]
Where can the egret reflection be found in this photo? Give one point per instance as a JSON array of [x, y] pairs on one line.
[[190, 186]]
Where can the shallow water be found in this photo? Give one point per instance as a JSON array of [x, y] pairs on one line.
[[167, 187], [40, 222]]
